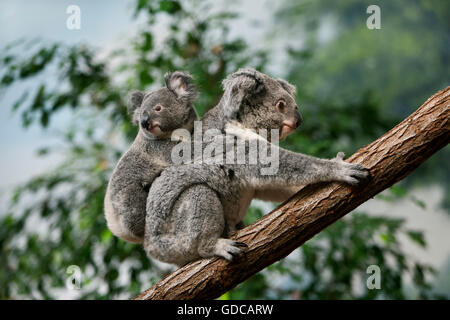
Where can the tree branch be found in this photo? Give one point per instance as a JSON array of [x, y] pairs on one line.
[[390, 158]]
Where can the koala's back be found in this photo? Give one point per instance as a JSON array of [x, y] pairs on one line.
[[126, 196]]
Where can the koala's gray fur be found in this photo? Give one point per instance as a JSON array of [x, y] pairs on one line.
[[157, 114], [192, 208]]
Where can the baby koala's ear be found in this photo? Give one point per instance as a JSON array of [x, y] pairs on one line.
[[290, 88], [135, 99], [182, 84]]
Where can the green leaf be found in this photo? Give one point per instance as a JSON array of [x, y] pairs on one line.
[[418, 202], [106, 236], [398, 191], [417, 237], [169, 6]]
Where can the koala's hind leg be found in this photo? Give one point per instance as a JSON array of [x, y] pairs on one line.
[[191, 231], [208, 225], [204, 213]]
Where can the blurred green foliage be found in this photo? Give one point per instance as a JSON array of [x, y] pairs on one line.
[[378, 76], [353, 87]]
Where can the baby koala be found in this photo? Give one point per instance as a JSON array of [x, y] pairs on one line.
[[157, 114]]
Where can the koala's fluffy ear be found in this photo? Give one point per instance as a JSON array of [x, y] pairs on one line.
[[182, 84], [135, 99], [238, 86], [290, 88]]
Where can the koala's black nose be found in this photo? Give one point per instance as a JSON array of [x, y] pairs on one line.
[[145, 120]]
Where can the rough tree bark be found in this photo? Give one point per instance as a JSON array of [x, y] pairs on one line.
[[390, 158]]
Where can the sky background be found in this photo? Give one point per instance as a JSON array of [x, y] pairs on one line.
[[104, 26], [47, 20]]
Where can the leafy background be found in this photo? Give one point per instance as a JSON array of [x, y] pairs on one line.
[[354, 84]]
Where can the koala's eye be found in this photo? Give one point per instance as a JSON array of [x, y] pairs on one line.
[[158, 108], [281, 106]]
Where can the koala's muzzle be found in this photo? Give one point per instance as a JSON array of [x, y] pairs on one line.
[[149, 125], [290, 124], [145, 120]]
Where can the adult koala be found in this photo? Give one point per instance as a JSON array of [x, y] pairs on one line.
[[191, 208]]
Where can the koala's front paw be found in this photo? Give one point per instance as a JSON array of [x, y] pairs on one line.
[[229, 249], [349, 172]]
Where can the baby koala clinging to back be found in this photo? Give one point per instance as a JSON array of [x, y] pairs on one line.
[[157, 114]]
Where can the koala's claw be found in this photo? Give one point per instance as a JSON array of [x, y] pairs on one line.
[[355, 173], [349, 172], [229, 249], [360, 173], [240, 244]]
